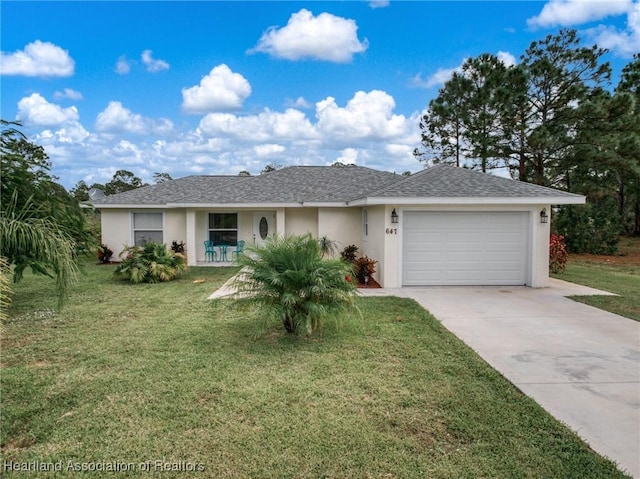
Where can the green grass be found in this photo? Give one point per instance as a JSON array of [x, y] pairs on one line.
[[621, 279], [136, 373]]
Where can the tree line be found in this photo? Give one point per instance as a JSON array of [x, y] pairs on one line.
[[549, 120], [122, 180]]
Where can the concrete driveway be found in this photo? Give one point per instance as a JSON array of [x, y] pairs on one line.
[[579, 363]]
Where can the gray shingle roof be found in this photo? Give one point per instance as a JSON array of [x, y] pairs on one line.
[[191, 189], [451, 182], [296, 184], [329, 184]]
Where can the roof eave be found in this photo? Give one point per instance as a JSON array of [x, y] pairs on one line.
[[325, 204], [471, 200], [128, 206], [234, 205]]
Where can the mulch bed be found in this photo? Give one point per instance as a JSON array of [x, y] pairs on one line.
[[372, 284]]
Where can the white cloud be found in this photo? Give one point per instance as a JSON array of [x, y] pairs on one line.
[[379, 3], [325, 37], [366, 115], [348, 156], [220, 90], [507, 58], [126, 150], [123, 66], [73, 132], [577, 12], [268, 150], [152, 65], [68, 93], [36, 110], [364, 131], [117, 119], [438, 78], [38, 59], [626, 42], [266, 126], [299, 102]]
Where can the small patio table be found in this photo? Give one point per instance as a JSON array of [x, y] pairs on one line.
[[223, 252]]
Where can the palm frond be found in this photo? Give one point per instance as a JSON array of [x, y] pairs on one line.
[[40, 244]]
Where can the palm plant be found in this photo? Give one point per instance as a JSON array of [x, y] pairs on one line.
[[38, 243], [288, 279], [150, 263], [328, 247]]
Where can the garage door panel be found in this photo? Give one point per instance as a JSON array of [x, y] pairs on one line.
[[464, 248], [505, 237], [462, 258], [428, 257]]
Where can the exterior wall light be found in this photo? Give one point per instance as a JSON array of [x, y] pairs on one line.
[[394, 216], [544, 217]]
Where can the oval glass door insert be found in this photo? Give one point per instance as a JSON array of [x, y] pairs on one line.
[[264, 227]]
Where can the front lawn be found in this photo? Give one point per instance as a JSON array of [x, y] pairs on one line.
[[619, 274], [127, 375]]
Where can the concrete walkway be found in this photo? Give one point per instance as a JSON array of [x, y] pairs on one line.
[[579, 363]]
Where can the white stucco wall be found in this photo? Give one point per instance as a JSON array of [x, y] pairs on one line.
[[373, 245], [117, 227], [392, 251], [116, 230], [245, 226], [342, 225], [175, 226], [301, 220], [540, 248]]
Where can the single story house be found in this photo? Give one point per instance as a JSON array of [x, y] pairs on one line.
[[441, 226]]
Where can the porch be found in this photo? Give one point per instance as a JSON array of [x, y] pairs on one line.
[[215, 264]]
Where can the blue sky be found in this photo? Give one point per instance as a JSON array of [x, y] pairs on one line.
[[219, 87]]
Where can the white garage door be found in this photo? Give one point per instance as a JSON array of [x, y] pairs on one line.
[[464, 248]]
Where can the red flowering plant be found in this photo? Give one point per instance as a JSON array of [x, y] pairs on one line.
[[557, 254], [104, 253]]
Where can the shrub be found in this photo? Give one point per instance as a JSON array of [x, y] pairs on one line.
[[289, 281], [363, 269], [591, 228], [177, 247], [104, 253], [150, 263], [349, 253], [557, 254]]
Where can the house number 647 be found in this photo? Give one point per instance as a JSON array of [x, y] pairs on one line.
[[392, 231]]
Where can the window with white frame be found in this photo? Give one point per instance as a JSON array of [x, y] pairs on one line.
[[147, 227], [223, 228], [365, 223]]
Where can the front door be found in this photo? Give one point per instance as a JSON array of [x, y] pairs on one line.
[[263, 226]]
